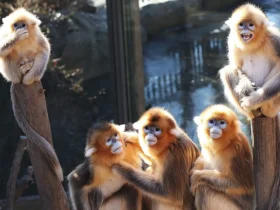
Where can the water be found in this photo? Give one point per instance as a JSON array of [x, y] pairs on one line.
[[181, 68]]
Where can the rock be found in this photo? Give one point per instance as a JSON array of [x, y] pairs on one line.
[[83, 43], [158, 17], [218, 5]]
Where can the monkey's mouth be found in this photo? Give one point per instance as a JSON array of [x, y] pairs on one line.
[[151, 142], [118, 150], [246, 37]]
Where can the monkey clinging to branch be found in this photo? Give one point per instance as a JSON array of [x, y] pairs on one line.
[[24, 54]]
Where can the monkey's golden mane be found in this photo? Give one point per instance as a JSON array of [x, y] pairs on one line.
[[21, 14], [249, 12]]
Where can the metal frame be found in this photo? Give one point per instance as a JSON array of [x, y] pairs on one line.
[[123, 17]]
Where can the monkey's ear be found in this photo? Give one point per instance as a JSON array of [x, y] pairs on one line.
[[136, 125], [228, 22], [175, 132], [4, 20], [38, 22], [197, 120], [269, 23], [122, 127], [90, 151]]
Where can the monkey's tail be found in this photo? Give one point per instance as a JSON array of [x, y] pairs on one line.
[[40, 142]]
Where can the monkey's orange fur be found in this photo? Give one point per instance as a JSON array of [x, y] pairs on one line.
[[103, 158], [222, 177]]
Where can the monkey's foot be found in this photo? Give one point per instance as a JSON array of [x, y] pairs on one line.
[[28, 81], [249, 102], [24, 68]]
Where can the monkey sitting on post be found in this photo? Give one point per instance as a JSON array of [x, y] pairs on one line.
[[254, 50], [24, 54]]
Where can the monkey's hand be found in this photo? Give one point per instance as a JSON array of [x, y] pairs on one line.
[[121, 166], [195, 180], [25, 67], [39, 66], [252, 101], [22, 34], [131, 136]]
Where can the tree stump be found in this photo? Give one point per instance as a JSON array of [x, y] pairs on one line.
[[33, 104], [265, 149]]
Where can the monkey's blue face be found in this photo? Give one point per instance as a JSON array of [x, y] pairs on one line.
[[115, 144], [19, 25], [246, 30], [152, 134], [216, 128]]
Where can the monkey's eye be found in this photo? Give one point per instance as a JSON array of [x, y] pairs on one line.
[[146, 129], [109, 142], [251, 26], [223, 124], [241, 25], [157, 131], [15, 25], [115, 134], [211, 123], [23, 25]]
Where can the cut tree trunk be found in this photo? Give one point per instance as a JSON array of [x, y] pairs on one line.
[[264, 133], [33, 104]]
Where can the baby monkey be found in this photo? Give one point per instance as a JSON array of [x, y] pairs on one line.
[[222, 177]]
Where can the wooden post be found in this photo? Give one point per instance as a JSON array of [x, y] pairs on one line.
[[264, 136], [33, 104], [11, 185]]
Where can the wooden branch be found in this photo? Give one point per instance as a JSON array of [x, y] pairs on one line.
[[33, 104], [11, 185], [264, 150], [24, 182]]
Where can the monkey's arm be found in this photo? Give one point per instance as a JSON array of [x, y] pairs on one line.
[[214, 179], [78, 179], [39, 65], [270, 89], [229, 78], [245, 86], [7, 44], [146, 182]]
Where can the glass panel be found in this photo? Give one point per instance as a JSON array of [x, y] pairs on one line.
[[184, 46], [78, 82]]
